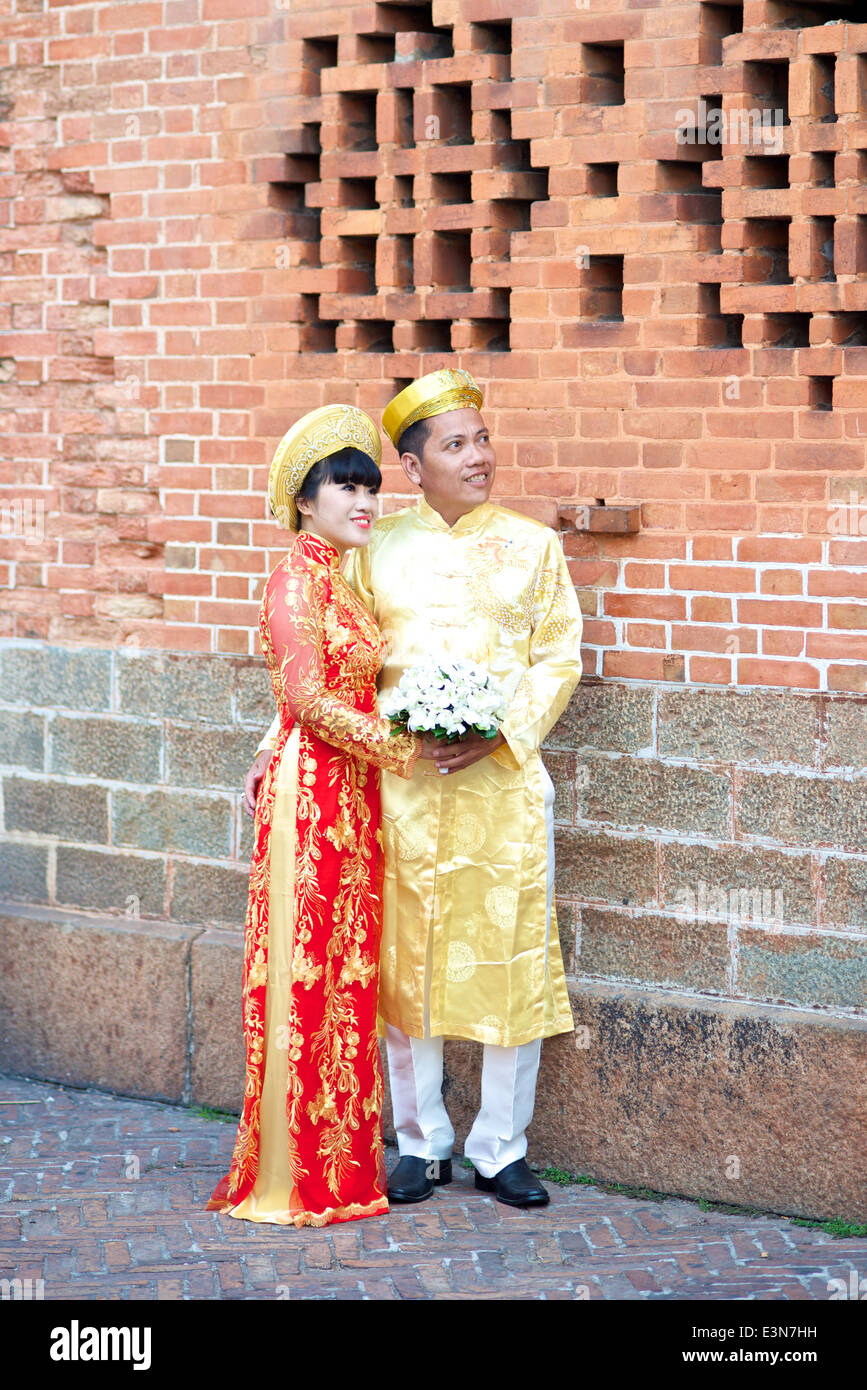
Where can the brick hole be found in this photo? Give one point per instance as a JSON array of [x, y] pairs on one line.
[[317, 54], [710, 208], [490, 335], [822, 248], [404, 133], [543, 178], [604, 79], [357, 193], [374, 335], [290, 196], [452, 188], [862, 83], [768, 83], [501, 126], [717, 23], [376, 48], [786, 330], [766, 251], [849, 329], [602, 180], [824, 71], [452, 260], [766, 171], [452, 113], [403, 193], [493, 38], [722, 330], [861, 175], [433, 335], [357, 117], [512, 154], [404, 266], [311, 141], [357, 272], [410, 25], [602, 289], [317, 335], [512, 214], [679, 175], [821, 392], [696, 202], [418, 38], [400, 383], [799, 14], [861, 245], [442, 43], [707, 135], [822, 168]]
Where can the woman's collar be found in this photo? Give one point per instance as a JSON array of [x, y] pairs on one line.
[[317, 548]]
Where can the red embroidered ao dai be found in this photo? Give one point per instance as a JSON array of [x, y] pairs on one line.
[[309, 1145]]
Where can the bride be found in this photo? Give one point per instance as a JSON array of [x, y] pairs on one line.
[[309, 1147]]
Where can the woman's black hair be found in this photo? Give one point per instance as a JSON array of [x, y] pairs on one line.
[[346, 466]]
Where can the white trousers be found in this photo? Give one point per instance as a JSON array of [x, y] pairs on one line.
[[415, 1067], [497, 1138]]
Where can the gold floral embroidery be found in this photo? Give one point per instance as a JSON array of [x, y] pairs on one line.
[[303, 969], [313, 626], [299, 611], [258, 974], [341, 833], [324, 1107], [337, 636], [357, 967]]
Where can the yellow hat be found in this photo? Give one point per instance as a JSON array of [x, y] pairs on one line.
[[434, 394], [315, 436]]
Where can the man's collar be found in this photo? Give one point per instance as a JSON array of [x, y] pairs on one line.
[[469, 522]]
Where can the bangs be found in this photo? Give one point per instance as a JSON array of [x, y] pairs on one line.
[[346, 466]]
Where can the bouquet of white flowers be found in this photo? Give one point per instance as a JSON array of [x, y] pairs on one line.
[[447, 699]]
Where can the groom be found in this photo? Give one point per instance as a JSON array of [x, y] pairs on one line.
[[470, 946]]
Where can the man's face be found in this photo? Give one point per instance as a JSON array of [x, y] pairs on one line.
[[457, 469]]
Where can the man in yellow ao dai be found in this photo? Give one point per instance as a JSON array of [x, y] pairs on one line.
[[470, 947]]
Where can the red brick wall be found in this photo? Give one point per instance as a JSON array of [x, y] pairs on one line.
[[218, 214]]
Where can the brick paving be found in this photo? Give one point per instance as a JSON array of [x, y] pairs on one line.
[[75, 1215]]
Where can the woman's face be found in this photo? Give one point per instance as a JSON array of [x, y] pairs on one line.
[[341, 513]]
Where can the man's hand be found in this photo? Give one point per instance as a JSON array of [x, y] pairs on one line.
[[452, 757], [254, 777], [430, 747]]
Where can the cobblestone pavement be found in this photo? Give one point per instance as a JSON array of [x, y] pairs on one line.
[[75, 1215]]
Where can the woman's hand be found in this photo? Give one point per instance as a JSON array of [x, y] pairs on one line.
[[254, 777]]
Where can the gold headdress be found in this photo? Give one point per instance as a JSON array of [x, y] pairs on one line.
[[449, 389], [315, 436]]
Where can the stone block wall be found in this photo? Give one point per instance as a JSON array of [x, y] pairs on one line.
[[709, 841], [122, 778], [716, 842]]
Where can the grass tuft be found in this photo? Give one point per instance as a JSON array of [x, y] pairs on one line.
[[206, 1112]]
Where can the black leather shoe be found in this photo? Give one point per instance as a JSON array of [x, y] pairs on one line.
[[414, 1179], [515, 1185]]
